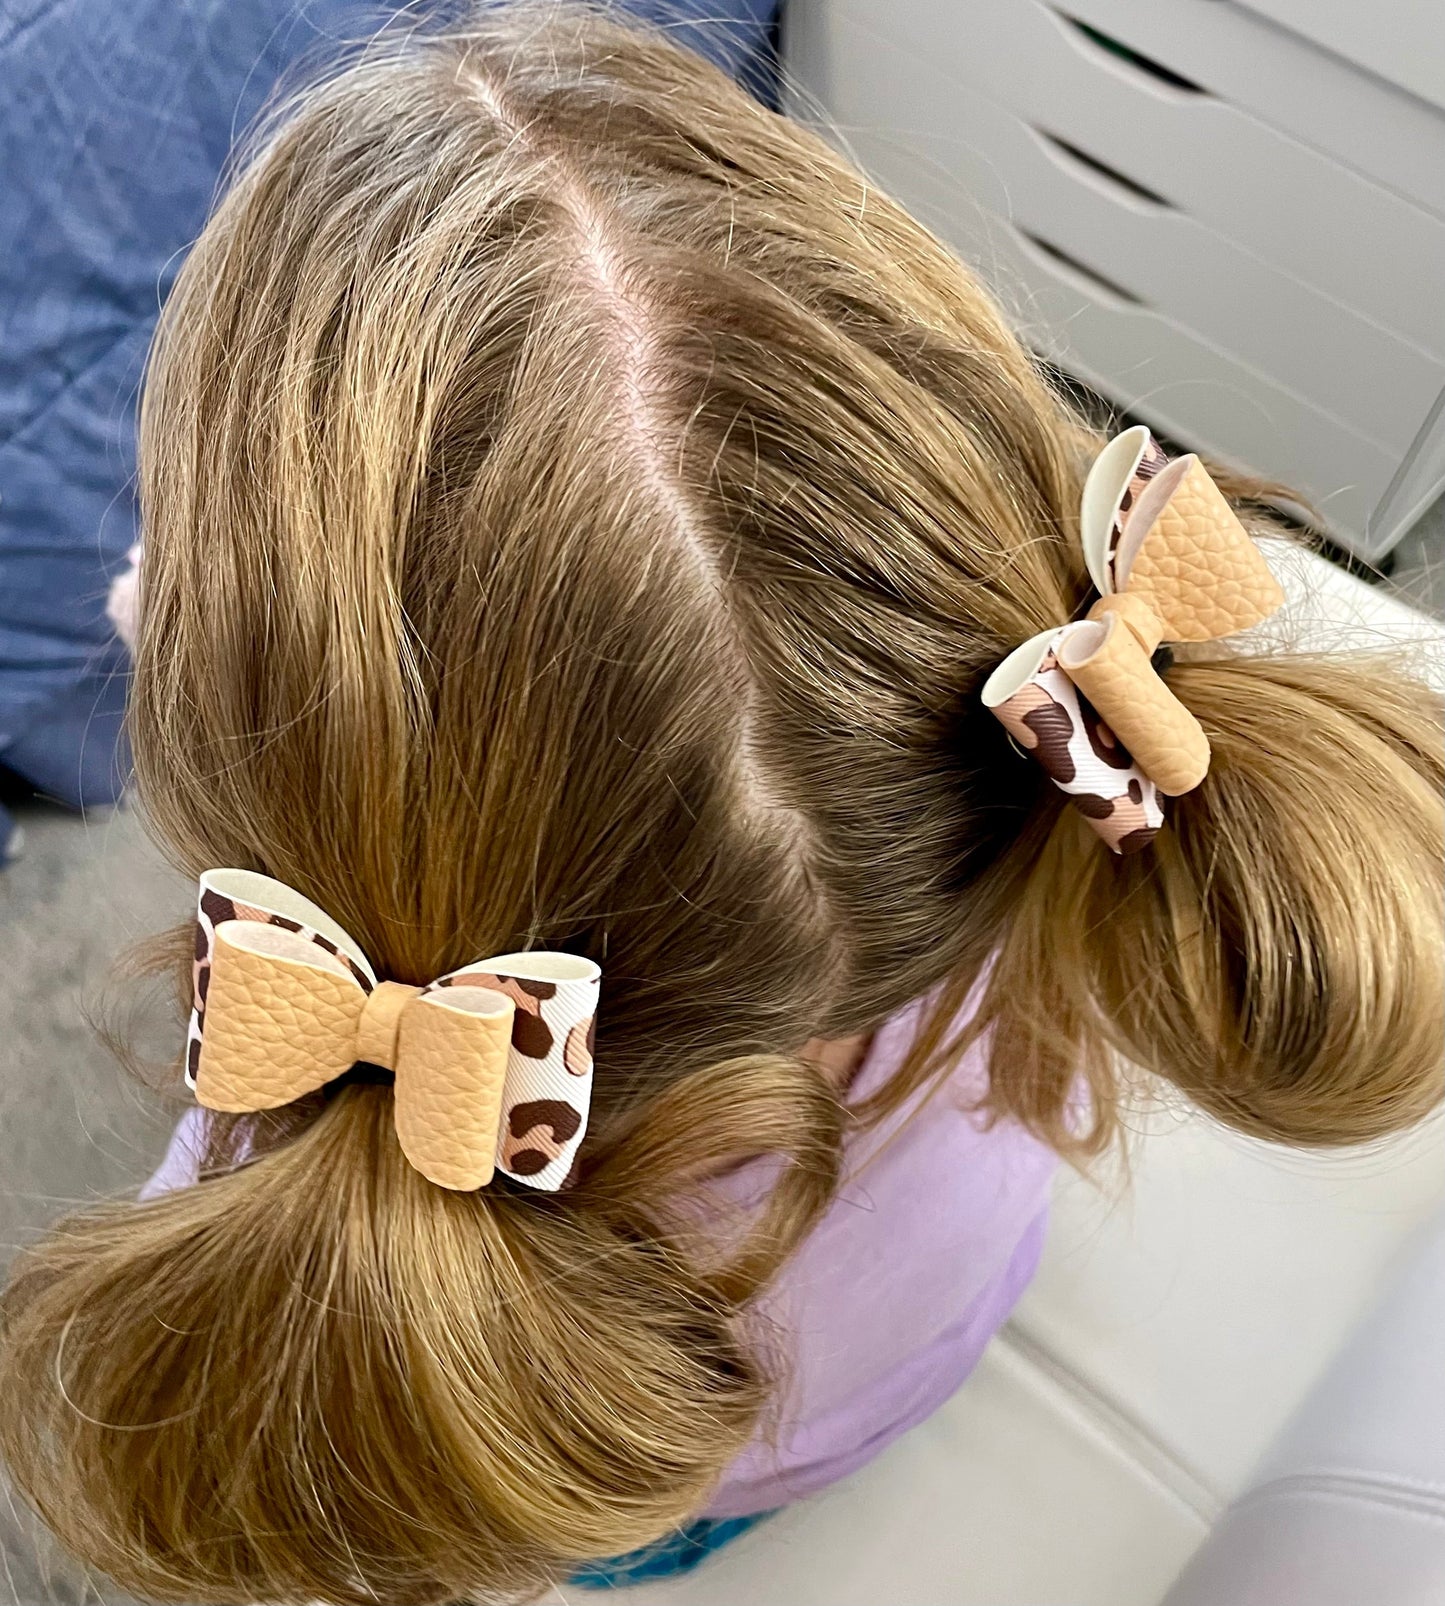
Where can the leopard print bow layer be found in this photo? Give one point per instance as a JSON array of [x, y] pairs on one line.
[[492, 1062], [1170, 562]]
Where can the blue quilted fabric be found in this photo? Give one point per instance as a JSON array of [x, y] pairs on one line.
[[115, 119]]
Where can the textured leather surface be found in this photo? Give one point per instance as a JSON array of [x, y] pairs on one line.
[[493, 1062], [283, 1018], [1197, 575], [276, 1027], [449, 1102], [1199, 569], [1166, 740], [1179, 567], [1136, 612], [377, 1028]]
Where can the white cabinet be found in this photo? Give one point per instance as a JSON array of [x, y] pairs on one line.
[[1399, 40], [1200, 207]]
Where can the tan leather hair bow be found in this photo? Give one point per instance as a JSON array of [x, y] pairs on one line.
[[493, 1062], [1171, 562]]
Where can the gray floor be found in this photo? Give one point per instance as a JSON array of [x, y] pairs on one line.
[[73, 1125]]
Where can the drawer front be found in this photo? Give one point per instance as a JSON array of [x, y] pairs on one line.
[[1138, 250], [1139, 357], [1285, 80], [1403, 42], [1195, 394], [1295, 207], [1163, 374]]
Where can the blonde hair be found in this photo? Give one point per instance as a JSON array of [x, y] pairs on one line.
[[581, 512]]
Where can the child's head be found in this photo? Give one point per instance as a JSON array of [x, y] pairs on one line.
[[581, 512]]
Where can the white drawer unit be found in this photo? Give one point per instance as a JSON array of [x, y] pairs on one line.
[[1400, 41], [1234, 267]]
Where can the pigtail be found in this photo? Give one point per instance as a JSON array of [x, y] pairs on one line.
[[1276, 953], [317, 1376]]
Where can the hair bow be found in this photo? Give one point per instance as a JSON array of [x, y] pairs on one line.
[[493, 1062], [1170, 562]]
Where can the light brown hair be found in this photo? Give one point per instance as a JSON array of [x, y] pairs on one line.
[[580, 511]]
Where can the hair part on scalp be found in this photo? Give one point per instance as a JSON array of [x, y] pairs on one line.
[[582, 512]]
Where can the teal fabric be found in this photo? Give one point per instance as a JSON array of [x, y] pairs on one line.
[[678, 1553]]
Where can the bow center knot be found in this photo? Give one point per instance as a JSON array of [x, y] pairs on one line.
[[1135, 613], [376, 1030]]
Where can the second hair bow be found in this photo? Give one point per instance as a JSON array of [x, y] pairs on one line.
[[1170, 562], [493, 1062]]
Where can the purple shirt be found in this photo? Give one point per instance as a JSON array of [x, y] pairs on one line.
[[887, 1306]]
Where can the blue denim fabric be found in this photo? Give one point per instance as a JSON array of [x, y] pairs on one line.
[[115, 119]]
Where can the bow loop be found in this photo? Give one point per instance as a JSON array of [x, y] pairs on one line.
[[1188, 556], [1110, 664], [282, 1017], [492, 1063], [452, 1054]]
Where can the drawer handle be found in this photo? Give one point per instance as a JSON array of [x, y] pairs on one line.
[[1099, 169], [1118, 51], [1089, 280]]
